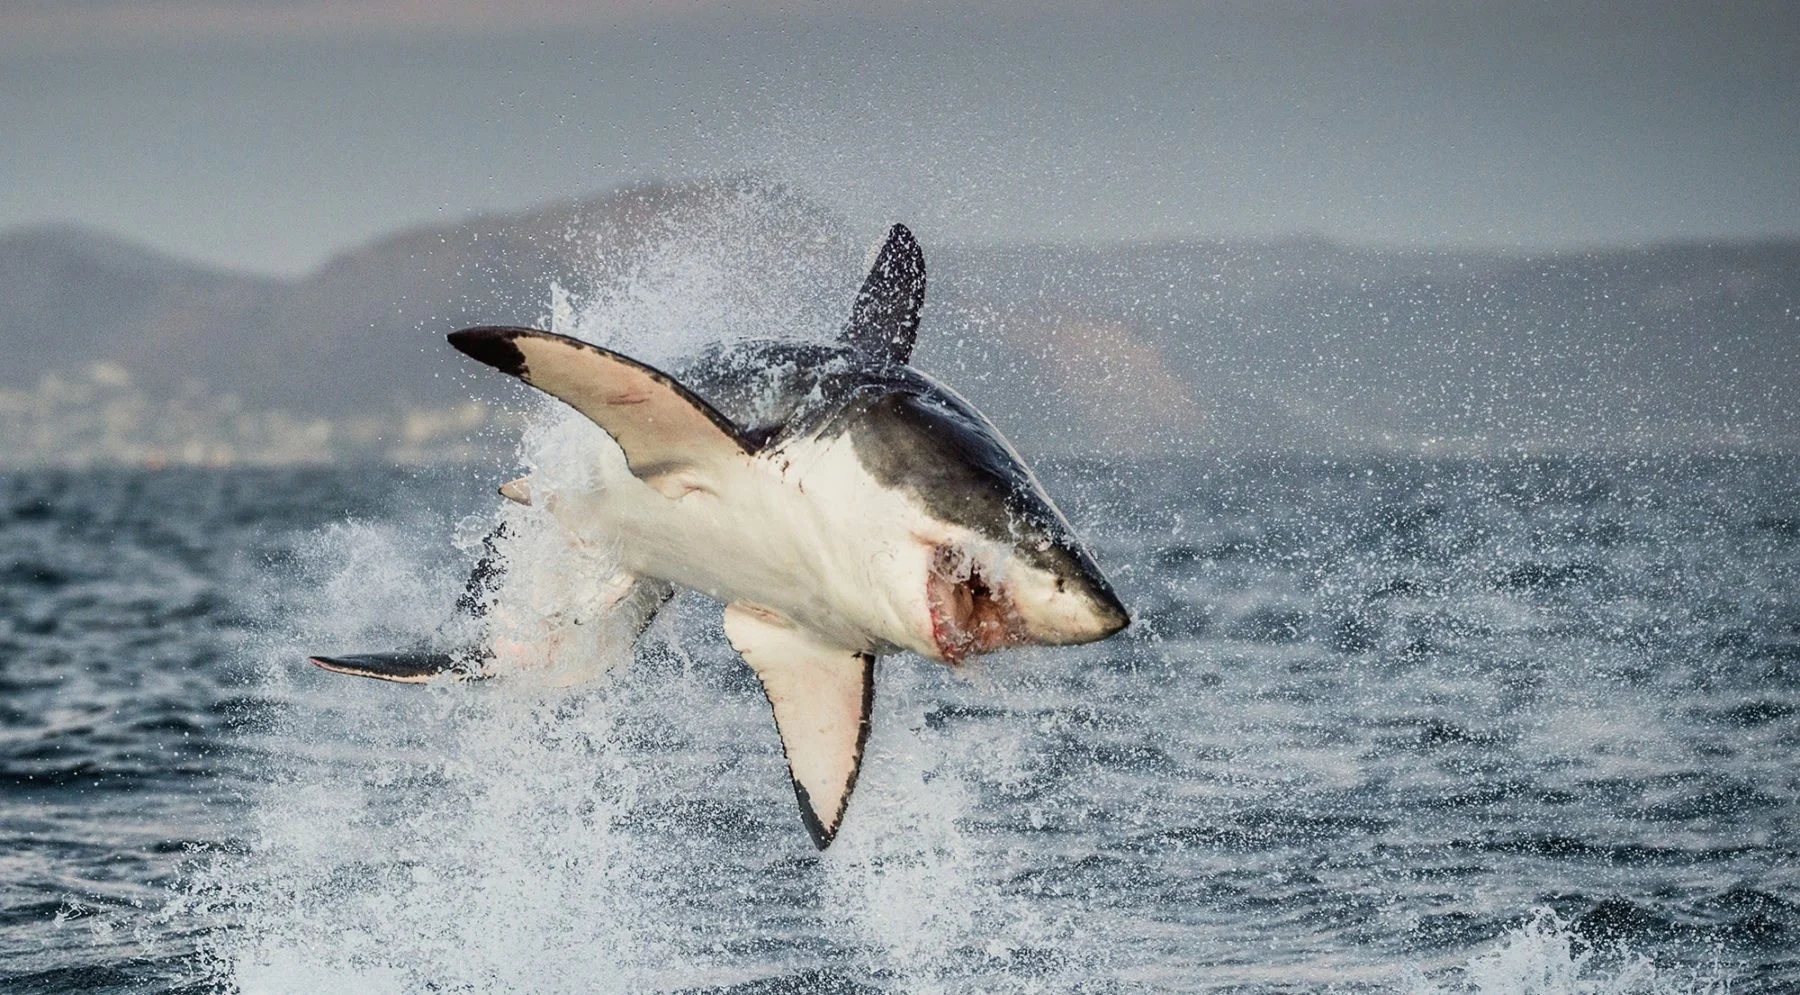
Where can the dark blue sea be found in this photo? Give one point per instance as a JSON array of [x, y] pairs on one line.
[[1384, 724]]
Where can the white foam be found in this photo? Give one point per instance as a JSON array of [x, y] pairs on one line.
[[1545, 956], [749, 265], [917, 889], [477, 848], [901, 872], [492, 837]]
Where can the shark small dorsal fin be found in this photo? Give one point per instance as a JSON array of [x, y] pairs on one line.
[[885, 318], [670, 435], [822, 696]]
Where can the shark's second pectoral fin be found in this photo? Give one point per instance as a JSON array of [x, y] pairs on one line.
[[822, 696], [517, 491], [673, 440]]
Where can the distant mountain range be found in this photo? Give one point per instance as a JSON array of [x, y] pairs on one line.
[[114, 352]]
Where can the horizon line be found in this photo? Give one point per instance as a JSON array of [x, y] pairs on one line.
[[118, 238]]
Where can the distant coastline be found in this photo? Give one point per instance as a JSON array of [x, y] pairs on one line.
[[119, 355]]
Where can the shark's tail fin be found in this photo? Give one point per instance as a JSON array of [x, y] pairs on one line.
[[405, 667], [627, 603], [488, 573], [419, 666]]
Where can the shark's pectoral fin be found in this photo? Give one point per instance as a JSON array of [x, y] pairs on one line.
[[673, 440], [420, 667], [822, 696]]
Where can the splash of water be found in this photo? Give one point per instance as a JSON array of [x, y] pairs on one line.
[[1546, 956], [519, 837], [750, 263]]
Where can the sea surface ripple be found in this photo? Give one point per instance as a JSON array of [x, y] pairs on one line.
[[1383, 724]]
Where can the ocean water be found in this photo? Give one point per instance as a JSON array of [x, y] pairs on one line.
[[1383, 725]]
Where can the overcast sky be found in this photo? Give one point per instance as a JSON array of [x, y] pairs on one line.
[[269, 135]]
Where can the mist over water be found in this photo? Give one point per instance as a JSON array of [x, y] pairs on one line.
[[1383, 724]]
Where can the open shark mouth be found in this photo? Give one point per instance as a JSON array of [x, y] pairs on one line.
[[971, 614]]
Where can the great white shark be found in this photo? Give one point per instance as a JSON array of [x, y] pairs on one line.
[[840, 503]]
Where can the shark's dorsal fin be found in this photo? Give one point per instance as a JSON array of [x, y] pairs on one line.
[[822, 696], [884, 320], [670, 435]]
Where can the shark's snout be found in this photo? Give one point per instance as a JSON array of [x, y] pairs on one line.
[[1106, 613], [1071, 603]]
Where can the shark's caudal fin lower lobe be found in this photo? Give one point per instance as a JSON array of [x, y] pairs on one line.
[[401, 668], [420, 666]]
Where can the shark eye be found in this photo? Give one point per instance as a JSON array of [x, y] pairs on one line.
[[1060, 585]]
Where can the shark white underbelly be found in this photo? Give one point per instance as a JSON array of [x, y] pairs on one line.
[[806, 535]]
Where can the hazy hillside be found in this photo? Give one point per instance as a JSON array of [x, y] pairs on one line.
[[361, 332], [70, 297], [114, 352]]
